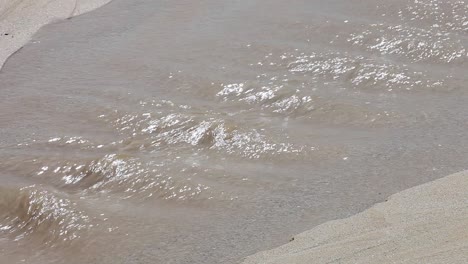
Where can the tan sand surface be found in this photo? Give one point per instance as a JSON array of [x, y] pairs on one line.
[[424, 224], [20, 19]]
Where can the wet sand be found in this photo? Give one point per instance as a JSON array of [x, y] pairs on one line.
[[424, 224]]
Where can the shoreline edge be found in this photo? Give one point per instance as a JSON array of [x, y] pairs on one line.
[[21, 19], [427, 223]]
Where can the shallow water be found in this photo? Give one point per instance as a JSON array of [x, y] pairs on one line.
[[183, 132]]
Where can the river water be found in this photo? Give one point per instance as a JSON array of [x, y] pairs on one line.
[[204, 131]]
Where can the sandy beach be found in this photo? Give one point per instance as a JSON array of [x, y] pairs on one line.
[[424, 224], [20, 19]]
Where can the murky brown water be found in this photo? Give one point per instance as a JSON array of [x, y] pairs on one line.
[[204, 131]]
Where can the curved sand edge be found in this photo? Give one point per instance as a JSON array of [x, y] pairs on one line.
[[424, 224], [20, 19]]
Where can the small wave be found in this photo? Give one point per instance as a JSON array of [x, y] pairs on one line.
[[360, 72], [162, 155], [60, 142], [332, 87], [429, 31], [33, 213], [278, 99], [415, 44], [200, 133], [445, 16], [273, 97], [161, 176], [132, 177]]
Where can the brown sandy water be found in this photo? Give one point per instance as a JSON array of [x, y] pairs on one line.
[[202, 132]]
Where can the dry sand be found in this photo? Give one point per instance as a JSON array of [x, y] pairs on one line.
[[424, 224], [20, 19]]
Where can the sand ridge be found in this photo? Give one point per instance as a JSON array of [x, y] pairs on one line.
[[424, 224], [20, 19]]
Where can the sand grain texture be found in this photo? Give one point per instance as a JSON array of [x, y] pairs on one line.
[[20, 19], [424, 224]]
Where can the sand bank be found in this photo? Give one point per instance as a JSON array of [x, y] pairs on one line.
[[424, 224], [20, 19]]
